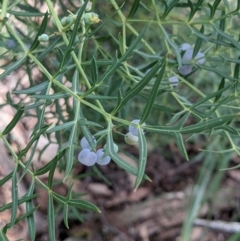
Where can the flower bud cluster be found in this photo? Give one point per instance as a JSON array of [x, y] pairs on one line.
[[187, 57], [131, 137], [88, 157]]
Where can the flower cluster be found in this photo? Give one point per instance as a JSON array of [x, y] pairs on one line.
[[88, 157], [186, 68], [131, 137], [187, 57]]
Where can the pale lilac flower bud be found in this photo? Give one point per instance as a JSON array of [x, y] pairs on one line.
[[87, 157], [184, 47], [200, 58], [174, 81], [185, 69], [102, 160]]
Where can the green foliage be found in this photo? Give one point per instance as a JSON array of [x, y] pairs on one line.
[[111, 72]]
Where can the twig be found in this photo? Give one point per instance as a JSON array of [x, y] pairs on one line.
[[228, 227]]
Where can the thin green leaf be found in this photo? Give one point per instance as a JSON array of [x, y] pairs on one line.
[[220, 87], [19, 219], [118, 160], [180, 144], [70, 46], [64, 126], [142, 158], [198, 43], [12, 67], [3, 236], [195, 9], [116, 63], [20, 201], [150, 103], [195, 128], [134, 8], [6, 178], [14, 197], [210, 96], [52, 163], [29, 207], [32, 140], [33, 89], [227, 37], [14, 121], [169, 8], [40, 31], [136, 89], [65, 215], [214, 8], [51, 97], [51, 218], [25, 14], [84, 205], [173, 45], [94, 70]]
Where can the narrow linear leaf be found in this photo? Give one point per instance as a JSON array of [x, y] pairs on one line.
[[150, 103], [137, 88], [84, 205], [169, 8], [198, 43], [214, 8], [40, 31], [220, 87], [118, 160], [210, 96], [20, 201], [53, 166], [14, 197], [180, 145], [87, 134], [33, 89], [65, 215], [134, 8], [51, 97], [70, 46], [3, 236], [142, 158], [227, 37], [64, 126], [116, 63], [6, 178], [14, 121], [19, 219], [196, 128], [94, 70], [51, 218], [49, 48], [25, 14], [12, 67], [32, 140], [195, 9], [173, 45], [52, 163], [29, 207]]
